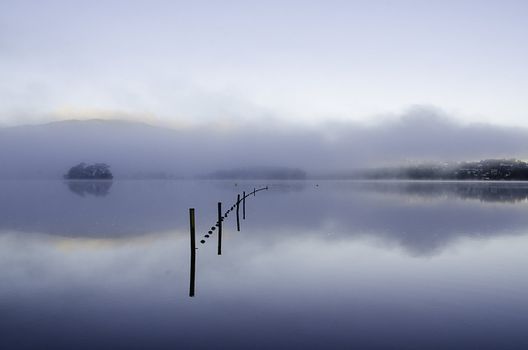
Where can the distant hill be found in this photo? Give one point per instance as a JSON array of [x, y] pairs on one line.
[[48, 151], [132, 150], [488, 169], [140, 151]]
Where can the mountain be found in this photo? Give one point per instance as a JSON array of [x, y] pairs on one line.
[[137, 150], [133, 150], [48, 151]]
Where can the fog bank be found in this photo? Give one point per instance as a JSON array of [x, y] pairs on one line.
[[136, 149]]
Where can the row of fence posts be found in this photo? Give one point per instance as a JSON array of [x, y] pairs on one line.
[[219, 225]]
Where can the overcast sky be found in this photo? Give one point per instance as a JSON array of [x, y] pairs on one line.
[[187, 62]]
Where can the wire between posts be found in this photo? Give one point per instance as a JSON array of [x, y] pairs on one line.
[[213, 228]]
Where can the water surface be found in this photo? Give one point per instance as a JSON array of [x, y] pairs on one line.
[[403, 265]]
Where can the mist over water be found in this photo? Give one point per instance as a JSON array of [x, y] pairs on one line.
[[317, 264], [136, 150]]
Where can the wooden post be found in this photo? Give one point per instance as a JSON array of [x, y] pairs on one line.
[[244, 206], [193, 252], [254, 191], [219, 228], [238, 212]]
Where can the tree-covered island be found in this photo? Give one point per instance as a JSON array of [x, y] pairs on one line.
[[82, 171]]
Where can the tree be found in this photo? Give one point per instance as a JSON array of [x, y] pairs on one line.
[[97, 171]]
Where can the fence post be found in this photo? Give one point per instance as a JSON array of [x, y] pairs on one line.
[[238, 212], [219, 228], [254, 192], [244, 206], [193, 252]]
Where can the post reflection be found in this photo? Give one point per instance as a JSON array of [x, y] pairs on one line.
[[97, 188]]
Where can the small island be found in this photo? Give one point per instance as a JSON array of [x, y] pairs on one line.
[[484, 170], [83, 171]]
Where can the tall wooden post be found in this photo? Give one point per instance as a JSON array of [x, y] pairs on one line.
[[254, 191], [244, 206], [219, 228], [193, 252], [238, 212]]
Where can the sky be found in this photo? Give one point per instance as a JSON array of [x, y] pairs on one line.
[[178, 63]]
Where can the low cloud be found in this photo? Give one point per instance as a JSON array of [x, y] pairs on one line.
[[422, 134]]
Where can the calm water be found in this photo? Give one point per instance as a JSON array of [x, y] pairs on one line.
[[338, 265]]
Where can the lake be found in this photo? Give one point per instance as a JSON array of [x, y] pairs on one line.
[[316, 265]]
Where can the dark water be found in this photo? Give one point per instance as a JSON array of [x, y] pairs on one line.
[[341, 265]]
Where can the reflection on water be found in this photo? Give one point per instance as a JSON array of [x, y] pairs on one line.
[[99, 188], [316, 265]]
